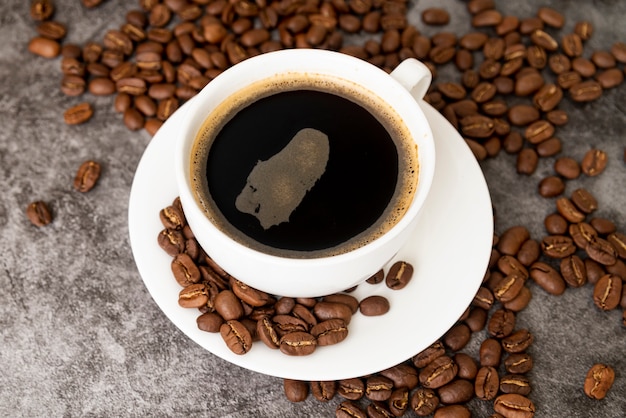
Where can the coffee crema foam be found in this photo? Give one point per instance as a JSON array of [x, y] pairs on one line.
[[408, 165]]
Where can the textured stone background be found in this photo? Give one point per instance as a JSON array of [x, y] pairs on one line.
[[79, 333]]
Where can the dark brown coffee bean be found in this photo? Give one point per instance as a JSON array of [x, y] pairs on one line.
[[374, 305], [378, 388], [209, 322], [529, 252], [513, 143], [324, 391], [132, 85], [399, 275], [603, 225], [442, 54], [145, 105], [539, 131], [477, 126], [87, 176], [583, 29], [41, 10], [483, 92], [295, 390], [559, 63], [330, 332], [548, 97], [527, 160], [483, 299], [101, 86], [344, 298], [594, 162], [329, 310], [510, 265], [584, 67], [116, 40], [599, 381], [551, 17], [228, 305], [52, 30], [603, 59], [548, 278], [555, 224], [523, 114], [348, 409], [518, 363], [352, 389], [528, 84], [618, 49], [567, 167], [38, 213], [78, 114], [454, 91], [402, 376], [133, 119], [512, 239], [518, 341], [568, 210], [514, 405], [378, 277], [607, 292], [236, 336], [586, 91], [298, 343], [467, 366], [193, 296], [435, 16], [618, 240], [490, 17], [438, 372], [473, 41], [584, 201], [490, 352], [610, 78], [501, 323], [515, 383], [487, 383], [173, 243], [509, 287], [568, 79], [550, 147], [424, 401], [456, 392], [582, 233], [267, 333], [557, 246], [457, 337], [573, 271]]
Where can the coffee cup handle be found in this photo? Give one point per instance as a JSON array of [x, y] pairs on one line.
[[413, 76]]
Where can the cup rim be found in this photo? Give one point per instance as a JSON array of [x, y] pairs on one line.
[[299, 60]]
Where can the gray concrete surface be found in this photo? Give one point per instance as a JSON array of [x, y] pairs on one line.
[[81, 336]]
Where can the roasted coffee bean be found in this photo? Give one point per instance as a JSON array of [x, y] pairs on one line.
[[295, 390], [583, 29], [523, 114], [557, 117], [298, 343], [551, 17], [210, 322], [152, 125], [567, 167], [610, 78], [399, 275], [324, 391], [330, 310], [601, 250], [78, 114], [442, 54], [514, 405], [559, 64], [501, 323], [289, 323], [348, 409], [249, 295], [555, 224], [402, 376], [228, 305], [582, 233], [145, 105], [374, 305], [87, 176], [101, 86], [594, 162], [573, 271], [584, 200], [569, 211], [376, 278], [41, 10], [435, 16], [607, 292], [477, 126], [172, 242], [513, 142], [549, 147], [193, 296], [490, 352], [352, 389], [378, 388], [473, 41], [598, 381], [572, 45], [236, 336], [515, 383], [527, 160], [52, 30], [518, 363], [424, 401], [539, 131], [330, 332], [344, 298], [487, 383], [602, 225], [548, 278], [568, 79], [510, 265], [618, 240], [490, 17], [183, 267], [438, 372], [454, 91], [528, 84], [583, 67], [73, 85], [456, 392], [557, 246], [267, 333], [133, 119], [520, 302], [585, 91], [457, 337], [38, 213], [122, 102], [166, 108], [603, 59], [512, 239], [509, 287], [483, 298], [548, 97], [467, 366], [483, 92], [536, 57], [518, 341]]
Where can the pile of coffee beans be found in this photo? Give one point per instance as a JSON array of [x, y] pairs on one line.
[[512, 73], [243, 315]]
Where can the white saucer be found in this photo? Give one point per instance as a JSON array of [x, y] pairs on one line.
[[449, 251]]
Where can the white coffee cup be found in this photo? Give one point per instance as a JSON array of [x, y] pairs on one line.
[[308, 277]]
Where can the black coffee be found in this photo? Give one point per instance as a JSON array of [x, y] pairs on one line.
[[304, 172]]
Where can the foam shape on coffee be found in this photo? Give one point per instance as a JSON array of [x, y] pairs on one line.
[[275, 187]]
